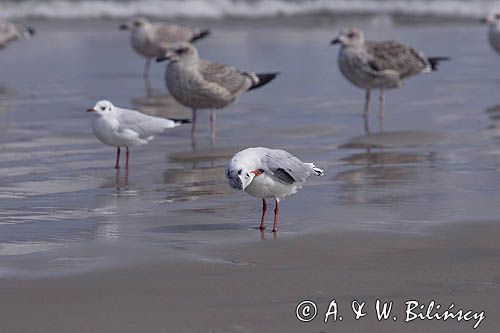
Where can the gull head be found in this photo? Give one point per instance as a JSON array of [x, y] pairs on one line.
[[238, 175], [493, 18], [135, 23], [180, 51], [26, 32], [350, 37], [102, 108]]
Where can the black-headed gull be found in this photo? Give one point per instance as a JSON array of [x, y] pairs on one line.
[[201, 84], [268, 173], [151, 39], [379, 65], [10, 32], [118, 127]]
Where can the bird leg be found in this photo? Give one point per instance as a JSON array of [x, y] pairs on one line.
[[276, 213], [212, 127], [193, 129], [381, 111], [117, 164], [264, 209], [145, 74], [367, 103], [127, 154]]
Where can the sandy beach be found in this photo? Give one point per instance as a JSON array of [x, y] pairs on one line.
[[410, 213], [257, 288]]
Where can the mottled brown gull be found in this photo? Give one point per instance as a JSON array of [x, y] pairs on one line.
[[379, 65], [10, 32], [493, 21], [151, 39], [201, 84]]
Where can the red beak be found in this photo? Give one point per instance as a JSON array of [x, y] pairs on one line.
[[257, 172], [90, 110]]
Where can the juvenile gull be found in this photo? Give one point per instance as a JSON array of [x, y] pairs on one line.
[[201, 84], [119, 127], [10, 32], [151, 39], [493, 21], [379, 65], [268, 173]]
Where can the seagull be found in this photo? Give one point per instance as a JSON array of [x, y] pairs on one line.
[[379, 65], [119, 127], [201, 84], [268, 173], [10, 32], [151, 39], [493, 21]]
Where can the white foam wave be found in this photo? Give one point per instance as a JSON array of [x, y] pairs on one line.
[[216, 9]]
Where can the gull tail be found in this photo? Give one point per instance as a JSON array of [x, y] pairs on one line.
[[318, 171], [200, 35], [434, 61], [181, 121], [259, 80]]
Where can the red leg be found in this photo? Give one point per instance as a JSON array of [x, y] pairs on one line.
[[276, 213], [117, 165], [127, 154], [262, 220]]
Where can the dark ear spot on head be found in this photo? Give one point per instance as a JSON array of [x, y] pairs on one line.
[[240, 171], [182, 50]]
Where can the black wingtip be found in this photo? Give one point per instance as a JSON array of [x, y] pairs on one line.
[[434, 61], [202, 34], [264, 79], [182, 121]]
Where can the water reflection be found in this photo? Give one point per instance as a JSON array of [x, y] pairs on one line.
[[202, 173]]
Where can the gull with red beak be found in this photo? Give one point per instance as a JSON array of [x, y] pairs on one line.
[[268, 173], [120, 127]]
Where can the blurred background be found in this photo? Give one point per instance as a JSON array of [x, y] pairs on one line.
[[217, 9]]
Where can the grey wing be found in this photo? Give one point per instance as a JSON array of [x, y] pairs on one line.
[[171, 33], [392, 55], [227, 77], [143, 124], [286, 167]]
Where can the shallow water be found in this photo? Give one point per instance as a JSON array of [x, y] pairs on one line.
[[64, 208]]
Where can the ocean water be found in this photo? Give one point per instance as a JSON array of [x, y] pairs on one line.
[[219, 9], [63, 208]]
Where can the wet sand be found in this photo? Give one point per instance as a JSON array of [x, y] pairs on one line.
[[255, 288], [168, 246]]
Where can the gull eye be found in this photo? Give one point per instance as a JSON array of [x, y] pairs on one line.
[[103, 108], [137, 23], [239, 172], [182, 51], [351, 35]]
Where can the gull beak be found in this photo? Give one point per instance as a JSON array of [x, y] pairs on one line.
[[335, 41], [257, 172], [91, 110], [168, 55], [123, 27]]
